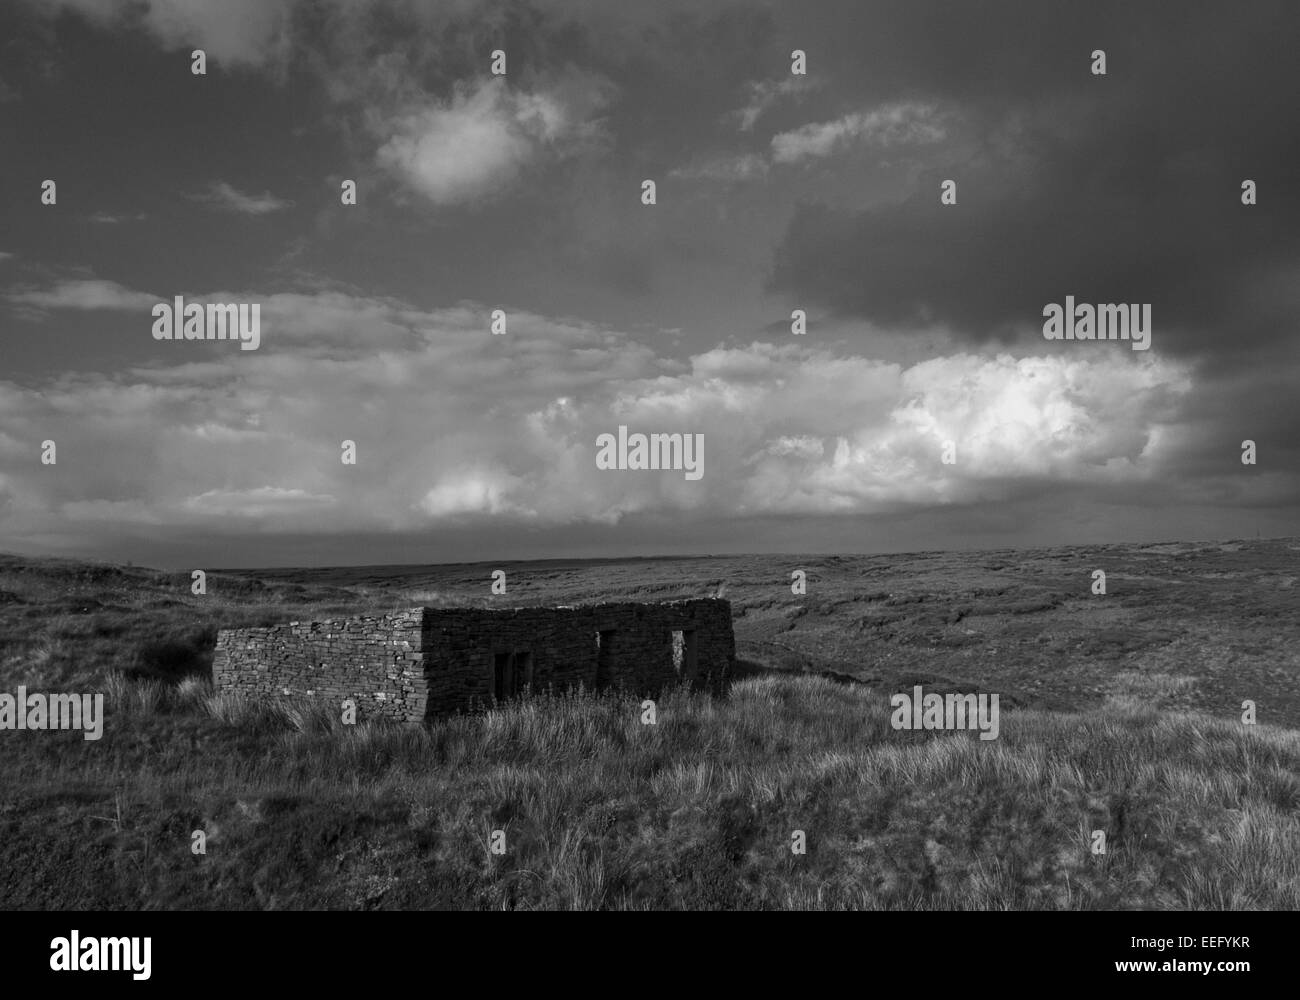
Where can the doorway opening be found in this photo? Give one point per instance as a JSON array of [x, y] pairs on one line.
[[512, 674], [684, 653]]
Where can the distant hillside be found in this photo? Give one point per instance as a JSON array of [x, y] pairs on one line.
[[1203, 626]]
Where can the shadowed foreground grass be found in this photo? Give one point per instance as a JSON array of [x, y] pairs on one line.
[[601, 811]]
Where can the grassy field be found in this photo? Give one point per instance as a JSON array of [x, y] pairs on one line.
[[1120, 713]]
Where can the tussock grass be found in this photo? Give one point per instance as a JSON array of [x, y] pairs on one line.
[[601, 811], [137, 697]]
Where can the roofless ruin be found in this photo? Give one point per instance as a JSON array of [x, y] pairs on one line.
[[429, 661]]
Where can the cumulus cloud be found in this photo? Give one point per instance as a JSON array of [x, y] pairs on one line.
[[475, 491], [484, 431], [477, 142], [459, 140], [248, 33]]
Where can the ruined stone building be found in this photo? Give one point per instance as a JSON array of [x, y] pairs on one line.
[[427, 661]]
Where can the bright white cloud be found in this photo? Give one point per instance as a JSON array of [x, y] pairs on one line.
[[475, 491]]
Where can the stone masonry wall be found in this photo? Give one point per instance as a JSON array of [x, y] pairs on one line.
[[462, 644], [433, 660], [377, 661]]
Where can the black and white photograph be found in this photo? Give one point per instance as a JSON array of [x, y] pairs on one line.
[[672, 455]]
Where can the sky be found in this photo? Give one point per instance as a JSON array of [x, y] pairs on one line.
[[923, 408]]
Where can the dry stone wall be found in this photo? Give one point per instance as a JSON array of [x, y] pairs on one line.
[[376, 661], [436, 660]]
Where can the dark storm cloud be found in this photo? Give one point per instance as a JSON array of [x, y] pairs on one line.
[[1115, 188]]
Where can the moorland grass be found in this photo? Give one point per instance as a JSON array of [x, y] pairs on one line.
[[698, 810], [599, 810]]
